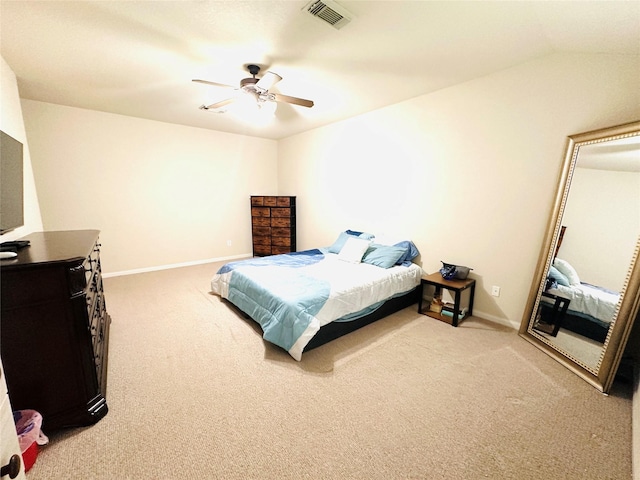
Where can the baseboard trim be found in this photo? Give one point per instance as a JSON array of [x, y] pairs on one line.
[[502, 321], [476, 313], [174, 265]]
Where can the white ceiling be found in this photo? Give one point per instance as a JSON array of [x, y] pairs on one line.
[[138, 58]]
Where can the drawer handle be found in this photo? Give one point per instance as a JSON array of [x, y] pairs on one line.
[[12, 468]]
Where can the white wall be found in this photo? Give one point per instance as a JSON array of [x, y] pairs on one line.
[[161, 194], [602, 217], [468, 172], [12, 124]]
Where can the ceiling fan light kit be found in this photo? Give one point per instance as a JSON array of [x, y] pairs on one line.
[[253, 94]]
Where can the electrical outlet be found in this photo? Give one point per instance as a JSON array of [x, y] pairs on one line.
[[228, 243], [495, 291]]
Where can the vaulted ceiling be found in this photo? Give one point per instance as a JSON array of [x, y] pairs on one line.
[[138, 58]]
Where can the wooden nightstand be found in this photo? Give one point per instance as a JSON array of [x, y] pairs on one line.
[[549, 319], [456, 286]]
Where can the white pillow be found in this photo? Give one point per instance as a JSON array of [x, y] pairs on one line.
[[353, 249], [567, 270]]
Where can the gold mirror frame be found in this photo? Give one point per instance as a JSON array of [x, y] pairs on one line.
[[603, 374]]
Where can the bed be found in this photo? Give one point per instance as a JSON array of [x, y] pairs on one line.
[[304, 299], [577, 306]]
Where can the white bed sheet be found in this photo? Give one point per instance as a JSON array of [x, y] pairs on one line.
[[592, 301]]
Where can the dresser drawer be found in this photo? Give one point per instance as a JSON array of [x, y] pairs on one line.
[[93, 285], [261, 240], [281, 212], [260, 212], [280, 222], [97, 318], [262, 231], [261, 249], [261, 221], [92, 264], [32, 286], [284, 201], [281, 241], [98, 352], [280, 232], [77, 279]]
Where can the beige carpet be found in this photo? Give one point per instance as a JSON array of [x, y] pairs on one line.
[[582, 348], [195, 393]]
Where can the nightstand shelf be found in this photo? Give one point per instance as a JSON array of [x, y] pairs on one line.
[[455, 286]]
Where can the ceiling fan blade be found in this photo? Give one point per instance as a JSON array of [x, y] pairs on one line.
[[296, 101], [219, 104], [268, 80], [207, 82]]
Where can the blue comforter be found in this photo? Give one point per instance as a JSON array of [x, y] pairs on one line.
[[292, 295], [278, 294]]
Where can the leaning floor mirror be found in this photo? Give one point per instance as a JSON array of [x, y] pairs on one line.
[[585, 294]]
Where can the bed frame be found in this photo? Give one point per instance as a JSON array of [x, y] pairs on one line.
[[584, 327], [575, 323], [334, 330]]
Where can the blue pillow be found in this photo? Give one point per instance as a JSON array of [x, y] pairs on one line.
[[558, 276], [411, 252], [342, 238], [339, 243], [365, 235], [385, 256]]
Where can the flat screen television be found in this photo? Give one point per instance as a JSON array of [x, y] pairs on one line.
[[11, 184]]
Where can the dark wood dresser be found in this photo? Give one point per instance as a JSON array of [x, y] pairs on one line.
[[54, 330], [273, 225]]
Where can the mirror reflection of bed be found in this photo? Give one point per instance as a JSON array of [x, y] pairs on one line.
[[575, 314]]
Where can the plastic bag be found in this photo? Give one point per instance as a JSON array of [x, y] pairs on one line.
[[28, 427]]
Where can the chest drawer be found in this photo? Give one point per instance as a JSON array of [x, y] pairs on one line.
[[262, 240], [280, 232], [281, 222], [261, 221], [281, 212], [260, 212]]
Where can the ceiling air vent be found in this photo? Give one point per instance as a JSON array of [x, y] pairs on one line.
[[329, 12]]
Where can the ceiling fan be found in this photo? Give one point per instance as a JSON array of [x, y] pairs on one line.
[[258, 88]]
